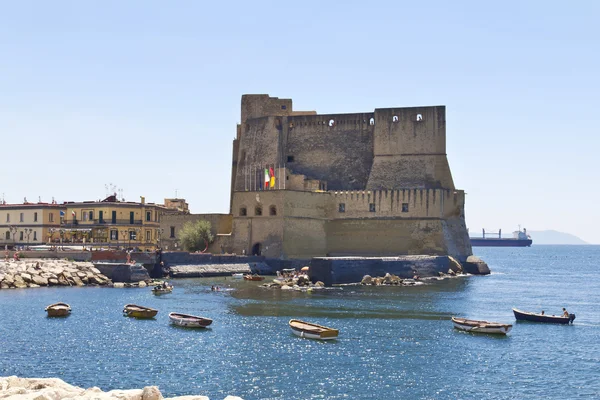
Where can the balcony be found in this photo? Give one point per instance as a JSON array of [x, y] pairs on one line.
[[100, 222]]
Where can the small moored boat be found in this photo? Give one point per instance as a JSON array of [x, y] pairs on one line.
[[312, 331], [254, 277], [533, 317], [58, 310], [160, 289], [135, 311], [477, 326], [189, 321], [238, 276]]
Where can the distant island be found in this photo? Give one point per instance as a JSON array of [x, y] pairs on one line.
[[554, 237]]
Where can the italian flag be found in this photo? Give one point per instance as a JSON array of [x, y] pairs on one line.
[[267, 178]]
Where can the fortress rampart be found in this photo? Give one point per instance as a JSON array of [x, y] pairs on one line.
[[371, 184]]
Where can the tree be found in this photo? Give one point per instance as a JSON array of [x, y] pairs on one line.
[[195, 236]]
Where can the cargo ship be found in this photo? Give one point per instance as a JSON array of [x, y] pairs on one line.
[[520, 239]]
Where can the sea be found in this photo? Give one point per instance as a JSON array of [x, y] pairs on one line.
[[394, 342]]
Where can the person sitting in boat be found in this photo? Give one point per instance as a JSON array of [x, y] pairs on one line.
[[565, 313], [542, 312]]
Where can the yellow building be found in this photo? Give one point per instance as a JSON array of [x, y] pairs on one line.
[[28, 224], [111, 223]]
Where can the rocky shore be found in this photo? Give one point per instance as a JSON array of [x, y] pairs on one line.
[[300, 282], [16, 388], [31, 273]]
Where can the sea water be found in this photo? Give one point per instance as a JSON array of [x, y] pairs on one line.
[[395, 342]]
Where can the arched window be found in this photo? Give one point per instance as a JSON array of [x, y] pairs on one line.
[[258, 211], [419, 117], [395, 118], [243, 211], [331, 122], [272, 210], [372, 121]]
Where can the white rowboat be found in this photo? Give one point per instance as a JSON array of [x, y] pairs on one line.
[[477, 326], [312, 331], [189, 321]]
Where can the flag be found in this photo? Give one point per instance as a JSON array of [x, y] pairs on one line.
[[73, 213], [62, 213], [272, 173], [267, 178]]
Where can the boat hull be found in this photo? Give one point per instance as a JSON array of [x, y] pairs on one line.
[[480, 242], [475, 326], [158, 292], [548, 319], [189, 321], [134, 311], [312, 331], [58, 310]]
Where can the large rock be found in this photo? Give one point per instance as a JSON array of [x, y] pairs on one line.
[[19, 283], [476, 266], [26, 277], [367, 280], [38, 280]]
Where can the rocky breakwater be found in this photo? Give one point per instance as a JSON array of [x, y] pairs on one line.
[[30, 273], [13, 387], [300, 282]]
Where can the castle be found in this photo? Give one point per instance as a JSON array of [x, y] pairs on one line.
[[307, 185]]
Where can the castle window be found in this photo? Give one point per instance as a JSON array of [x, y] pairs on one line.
[[258, 211], [371, 207], [243, 212], [132, 235], [21, 235], [283, 107], [172, 232], [419, 117], [331, 122], [395, 118], [372, 121], [51, 217], [34, 217], [342, 207], [404, 207], [148, 215], [272, 210], [34, 236], [290, 158]]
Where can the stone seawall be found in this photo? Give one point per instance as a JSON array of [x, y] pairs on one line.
[[48, 272], [340, 270], [13, 387]]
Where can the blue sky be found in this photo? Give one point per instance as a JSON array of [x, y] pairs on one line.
[[146, 96]]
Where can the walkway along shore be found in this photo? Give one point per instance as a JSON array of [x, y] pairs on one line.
[[13, 387], [31, 272]]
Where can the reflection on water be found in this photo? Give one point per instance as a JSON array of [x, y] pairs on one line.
[[395, 342]]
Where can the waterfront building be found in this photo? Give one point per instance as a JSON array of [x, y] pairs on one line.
[[112, 223], [365, 184], [29, 224]]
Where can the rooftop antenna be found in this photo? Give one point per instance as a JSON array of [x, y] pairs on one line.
[[176, 193]]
